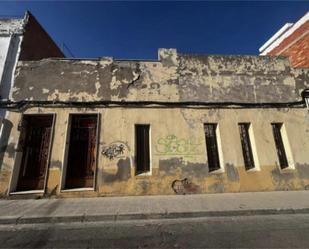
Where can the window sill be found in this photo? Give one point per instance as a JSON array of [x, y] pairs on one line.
[[28, 192], [217, 171], [141, 175], [287, 169], [76, 190], [253, 170]]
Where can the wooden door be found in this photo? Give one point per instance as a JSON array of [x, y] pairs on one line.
[[82, 152], [36, 135]]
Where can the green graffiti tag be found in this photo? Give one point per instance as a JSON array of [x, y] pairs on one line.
[[172, 145]]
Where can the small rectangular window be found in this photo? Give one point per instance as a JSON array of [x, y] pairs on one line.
[[212, 146], [142, 149], [277, 131], [246, 145]]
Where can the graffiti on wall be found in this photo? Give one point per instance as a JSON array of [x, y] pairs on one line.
[[115, 150], [171, 145]]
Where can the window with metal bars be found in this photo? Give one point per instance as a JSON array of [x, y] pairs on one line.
[[212, 146], [142, 149], [277, 129], [246, 145]]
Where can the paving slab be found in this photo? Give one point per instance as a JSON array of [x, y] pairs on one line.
[[151, 207]]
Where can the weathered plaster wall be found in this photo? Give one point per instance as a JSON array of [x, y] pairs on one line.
[[9, 66], [175, 77], [4, 48], [301, 79], [236, 78], [177, 151], [11, 31], [11, 26]]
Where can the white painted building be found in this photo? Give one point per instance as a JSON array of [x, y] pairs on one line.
[[11, 34]]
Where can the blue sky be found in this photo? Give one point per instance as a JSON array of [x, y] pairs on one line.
[[135, 30]]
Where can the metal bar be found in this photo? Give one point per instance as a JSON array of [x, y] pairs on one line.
[[279, 145], [212, 147], [142, 149], [246, 145]]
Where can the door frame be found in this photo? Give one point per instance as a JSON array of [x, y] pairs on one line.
[[18, 158], [66, 153]]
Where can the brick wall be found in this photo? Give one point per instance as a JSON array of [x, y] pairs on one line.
[[36, 43], [296, 47], [299, 53]]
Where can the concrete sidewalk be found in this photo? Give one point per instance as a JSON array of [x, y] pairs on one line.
[[152, 207]]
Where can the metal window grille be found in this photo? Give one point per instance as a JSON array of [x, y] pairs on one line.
[[142, 149], [279, 145], [212, 147], [246, 145]]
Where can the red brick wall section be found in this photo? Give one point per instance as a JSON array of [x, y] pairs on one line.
[[298, 52], [36, 43]]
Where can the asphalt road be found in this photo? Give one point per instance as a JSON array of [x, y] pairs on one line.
[[269, 231]]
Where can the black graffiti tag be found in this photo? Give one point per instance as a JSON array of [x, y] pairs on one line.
[[113, 151]]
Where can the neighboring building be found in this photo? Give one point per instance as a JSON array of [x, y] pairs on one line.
[[20, 39], [182, 124], [292, 40], [10, 38]]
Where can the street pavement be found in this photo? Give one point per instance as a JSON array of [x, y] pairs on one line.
[[256, 231], [32, 211]]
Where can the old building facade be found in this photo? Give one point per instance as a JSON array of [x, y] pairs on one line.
[[182, 124]]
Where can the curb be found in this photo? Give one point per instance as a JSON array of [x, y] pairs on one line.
[[142, 216]]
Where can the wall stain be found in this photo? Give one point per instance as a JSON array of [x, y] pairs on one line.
[[185, 186], [123, 172], [169, 166], [186, 169], [282, 181], [302, 170], [4, 139], [56, 164], [217, 187], [197, 170], [9, 149], [188, 77], [144, 185], [232, 172]]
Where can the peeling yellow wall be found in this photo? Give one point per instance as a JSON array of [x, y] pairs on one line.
[[178, 151], [175, 77]]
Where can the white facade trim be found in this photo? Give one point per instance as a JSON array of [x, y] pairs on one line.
[[281, 31], [287, 30]]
